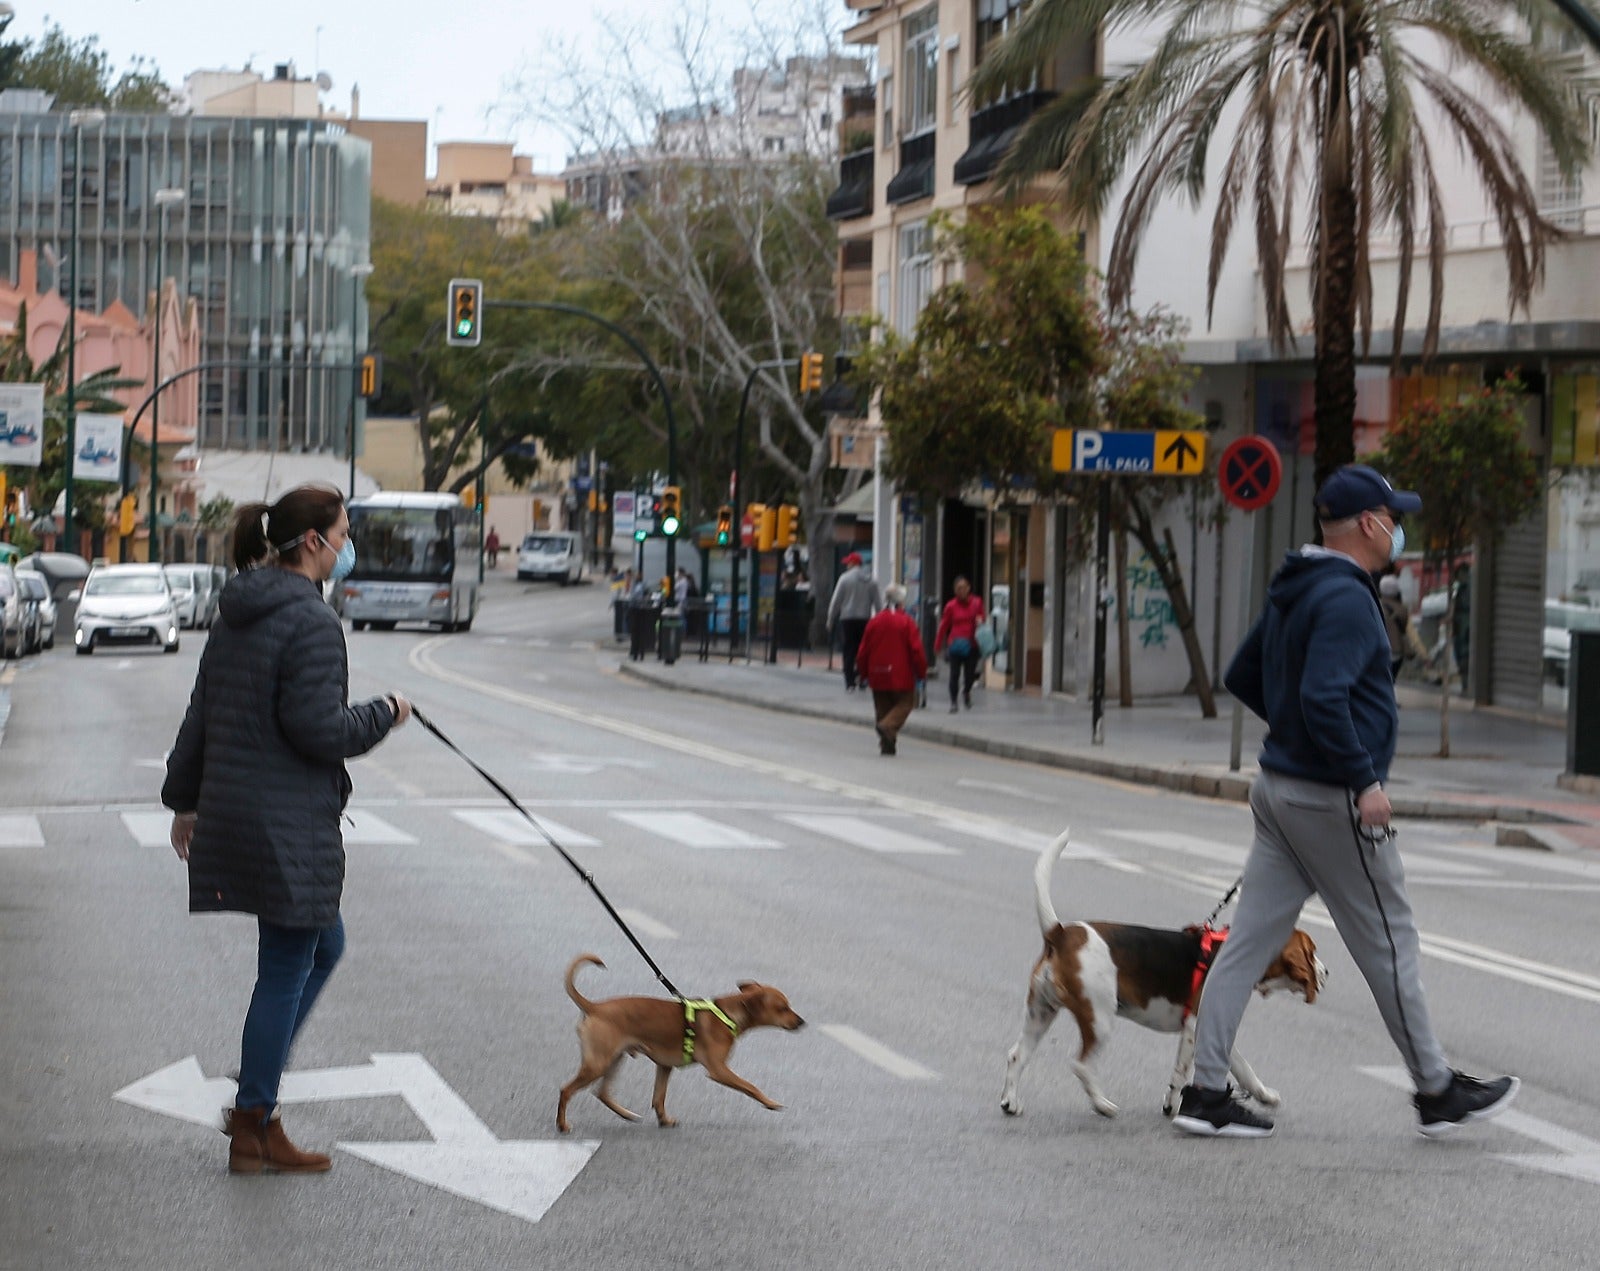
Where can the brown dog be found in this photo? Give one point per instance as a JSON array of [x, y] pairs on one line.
[[673, 1034]]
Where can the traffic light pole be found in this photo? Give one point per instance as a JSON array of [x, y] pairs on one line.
[[550, 306], [738, 500]]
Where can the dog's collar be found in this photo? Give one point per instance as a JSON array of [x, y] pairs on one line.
[[690, 1010], [1210, 941]]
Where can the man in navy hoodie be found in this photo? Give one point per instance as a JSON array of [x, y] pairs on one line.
[[1316, 667]]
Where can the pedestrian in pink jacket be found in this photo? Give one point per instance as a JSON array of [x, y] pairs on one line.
[[892, 659]]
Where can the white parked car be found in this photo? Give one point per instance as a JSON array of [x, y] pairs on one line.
[[554, 554], [125, 604], [187, 600], [37, 585]]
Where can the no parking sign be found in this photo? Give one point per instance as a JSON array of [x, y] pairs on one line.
[[1250, 472]]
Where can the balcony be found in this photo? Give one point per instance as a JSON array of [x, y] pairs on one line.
[[853, 198], [990, 133], [915, 178]]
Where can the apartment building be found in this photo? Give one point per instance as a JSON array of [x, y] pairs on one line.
[[913, 144], [489, 179]]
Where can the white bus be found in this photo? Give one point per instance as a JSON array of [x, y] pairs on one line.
[[416, 561]]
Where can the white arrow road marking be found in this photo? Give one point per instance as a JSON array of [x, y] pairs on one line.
[[1579, 1156], [693, 830], [20, 831], [876, 1053], [520, 1177], [859, 832]]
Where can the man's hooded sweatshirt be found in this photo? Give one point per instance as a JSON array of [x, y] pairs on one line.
[[1315, 666]]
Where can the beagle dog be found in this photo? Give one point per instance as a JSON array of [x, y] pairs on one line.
[[1099, 969]]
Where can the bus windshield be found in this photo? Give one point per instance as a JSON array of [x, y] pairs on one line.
[[402, 544]]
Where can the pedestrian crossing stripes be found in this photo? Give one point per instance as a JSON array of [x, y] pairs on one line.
[[738, 826], [693, 830], [859, 832]]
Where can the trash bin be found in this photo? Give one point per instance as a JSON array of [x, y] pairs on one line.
[[1583, 704], [791, 619], [671, 635]]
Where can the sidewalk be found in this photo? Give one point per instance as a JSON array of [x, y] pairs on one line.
[[1503, 766]]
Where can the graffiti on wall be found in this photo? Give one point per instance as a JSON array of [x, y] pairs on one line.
[[1151, 620]]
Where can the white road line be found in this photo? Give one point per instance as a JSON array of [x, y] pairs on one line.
[[510, 827], [859, 832], [877, 1054], [365, 828], [1000, 787], [655, 930], [693, 830], [518, 855], [1417, 863], [20, 831], [149, 829]]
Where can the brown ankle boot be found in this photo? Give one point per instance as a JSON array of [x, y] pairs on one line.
[[259, 1143]]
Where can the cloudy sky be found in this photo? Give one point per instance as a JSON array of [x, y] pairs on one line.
[[452, 64]]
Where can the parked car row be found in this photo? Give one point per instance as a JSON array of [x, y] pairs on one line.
[[196, 589]]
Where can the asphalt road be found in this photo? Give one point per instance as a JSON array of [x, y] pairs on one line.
[[889, 898]]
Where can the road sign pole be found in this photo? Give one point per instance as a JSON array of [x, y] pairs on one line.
[[1102, 602]]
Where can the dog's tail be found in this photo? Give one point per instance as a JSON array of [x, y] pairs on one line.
[[1048, 921], [584, 1004]]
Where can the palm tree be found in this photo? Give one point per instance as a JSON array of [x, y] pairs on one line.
[[1334, 98]]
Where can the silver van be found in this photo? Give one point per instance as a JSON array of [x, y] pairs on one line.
[[554, 554]]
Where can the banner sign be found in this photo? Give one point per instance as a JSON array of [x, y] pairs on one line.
[[22, 424], [98, 456]]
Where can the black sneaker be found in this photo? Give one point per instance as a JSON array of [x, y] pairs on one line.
[[1219, 1114], [1465, 1099]]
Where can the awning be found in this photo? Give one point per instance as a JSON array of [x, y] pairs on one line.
[[850, 200], [913, 181]]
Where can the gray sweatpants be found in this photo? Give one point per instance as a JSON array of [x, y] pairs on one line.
[[1306, 842]]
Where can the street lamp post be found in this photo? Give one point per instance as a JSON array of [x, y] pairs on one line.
[[357, 273], [77, 120], [163, 200]]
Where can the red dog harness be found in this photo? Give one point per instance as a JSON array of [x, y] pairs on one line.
[[1210, 941]]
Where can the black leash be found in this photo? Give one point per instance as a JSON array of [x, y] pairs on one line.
[[565, 855], [1221, 904]]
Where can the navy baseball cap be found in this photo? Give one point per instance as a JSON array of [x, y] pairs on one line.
[[1356, 488]]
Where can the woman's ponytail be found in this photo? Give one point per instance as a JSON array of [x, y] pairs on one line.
[[250, 545]]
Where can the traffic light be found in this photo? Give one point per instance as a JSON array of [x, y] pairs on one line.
[[788, 527], [724, 525], [464, 318], [8, 501], [469, 496], [371, 376], [810, 372], [766, 522], [125, 516], [671, 517]]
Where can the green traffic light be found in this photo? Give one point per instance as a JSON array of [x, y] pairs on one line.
[[639, 536], [464, 327], [669, 526]]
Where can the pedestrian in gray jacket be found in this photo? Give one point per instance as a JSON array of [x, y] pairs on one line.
[[855, 599], [256, 781]]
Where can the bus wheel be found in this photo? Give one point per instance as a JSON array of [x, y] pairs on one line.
[[383, 626], [357, 625]]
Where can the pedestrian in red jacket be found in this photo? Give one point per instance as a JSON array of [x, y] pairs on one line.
[[892, 658], [958, 632]]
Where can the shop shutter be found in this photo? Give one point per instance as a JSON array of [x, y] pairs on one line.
[[1516, 621]]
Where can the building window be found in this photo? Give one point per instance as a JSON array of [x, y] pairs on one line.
[[888, 111], [996, 18], [921, 72], [916, 274]]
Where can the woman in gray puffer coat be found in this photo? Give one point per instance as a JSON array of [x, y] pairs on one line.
[[257, 783]]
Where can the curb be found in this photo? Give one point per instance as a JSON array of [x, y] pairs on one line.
[[1228, 786], [6, 676]]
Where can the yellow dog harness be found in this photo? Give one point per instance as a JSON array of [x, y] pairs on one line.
[[690, 1009]]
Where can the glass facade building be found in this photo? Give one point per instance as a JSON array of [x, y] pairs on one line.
[[276, 213]]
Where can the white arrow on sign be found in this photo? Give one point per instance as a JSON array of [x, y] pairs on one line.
[[1579, 1156], [521, 1178]]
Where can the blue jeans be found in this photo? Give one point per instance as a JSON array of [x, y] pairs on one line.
[[292, 965]]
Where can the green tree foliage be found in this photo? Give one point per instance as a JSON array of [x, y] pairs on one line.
[[1327, 103], [1016, 350], [995, 362], [95, 394], [1477, 477], [79, 73]]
